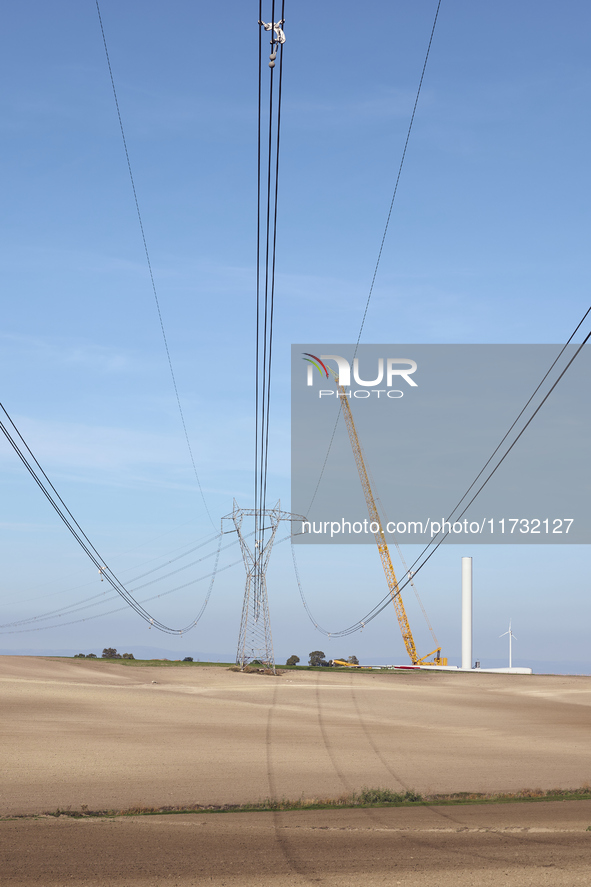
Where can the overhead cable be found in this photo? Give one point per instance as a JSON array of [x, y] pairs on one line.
[[11, 628], [59, 611], [213, 575], [153, 282], [432, 546], [402, 159], [151, 560], [381, 249], [58, 504], [269, 130]]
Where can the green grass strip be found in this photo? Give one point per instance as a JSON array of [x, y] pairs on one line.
[[367, 797]]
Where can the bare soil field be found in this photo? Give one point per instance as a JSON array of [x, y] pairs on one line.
[[88, 734], [543, 844]]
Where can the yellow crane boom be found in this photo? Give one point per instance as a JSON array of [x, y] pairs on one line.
[[381, 541]]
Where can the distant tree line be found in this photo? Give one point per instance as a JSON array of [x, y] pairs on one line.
[[318, 658], [111, 653], [108, 653]]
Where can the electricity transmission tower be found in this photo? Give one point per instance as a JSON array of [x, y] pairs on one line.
[[255, 642]]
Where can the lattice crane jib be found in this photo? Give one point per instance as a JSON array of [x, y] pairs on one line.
[[380, 538]]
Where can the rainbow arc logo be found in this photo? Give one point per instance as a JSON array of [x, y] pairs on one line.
[[316, 362]]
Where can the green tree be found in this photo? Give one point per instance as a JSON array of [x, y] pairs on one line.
[[110, 653], [353, 660], [316, 658], [293, 660], [128, 656]]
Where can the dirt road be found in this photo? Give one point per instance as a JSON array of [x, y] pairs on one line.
[[507, 844]]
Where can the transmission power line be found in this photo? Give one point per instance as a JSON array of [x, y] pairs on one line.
[[153, 282], [266, 262], [60, 610], [383, 240], [32, 622], [126, 569], [371, 289], [211, 575], [402, 159], [434, 544], [49, 491], [255, 641], [266, 248]]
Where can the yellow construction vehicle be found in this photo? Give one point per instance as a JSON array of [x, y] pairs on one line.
[[341, 663], [381, 541]]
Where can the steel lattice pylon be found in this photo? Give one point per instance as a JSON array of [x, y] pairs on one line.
[[255, 641]]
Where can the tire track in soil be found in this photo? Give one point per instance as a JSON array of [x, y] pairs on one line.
[[368, 812], [328, 745], [295, 867], [385, 763], [280, 823], [370, 738], [378, 815], [373, 813], [292, 858]]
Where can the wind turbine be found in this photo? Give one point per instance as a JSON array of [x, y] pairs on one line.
[[511, 636]]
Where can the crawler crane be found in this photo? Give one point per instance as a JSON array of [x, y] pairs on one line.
[[381, 540]]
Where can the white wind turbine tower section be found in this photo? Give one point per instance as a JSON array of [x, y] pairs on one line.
[[511, 636], [467, 612]]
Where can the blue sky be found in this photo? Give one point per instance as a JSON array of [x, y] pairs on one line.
[[488, 243]]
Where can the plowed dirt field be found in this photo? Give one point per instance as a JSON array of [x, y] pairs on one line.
[[95, 735]]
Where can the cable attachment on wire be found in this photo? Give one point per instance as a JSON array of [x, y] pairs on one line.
[[269, 128], [276, 40]]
